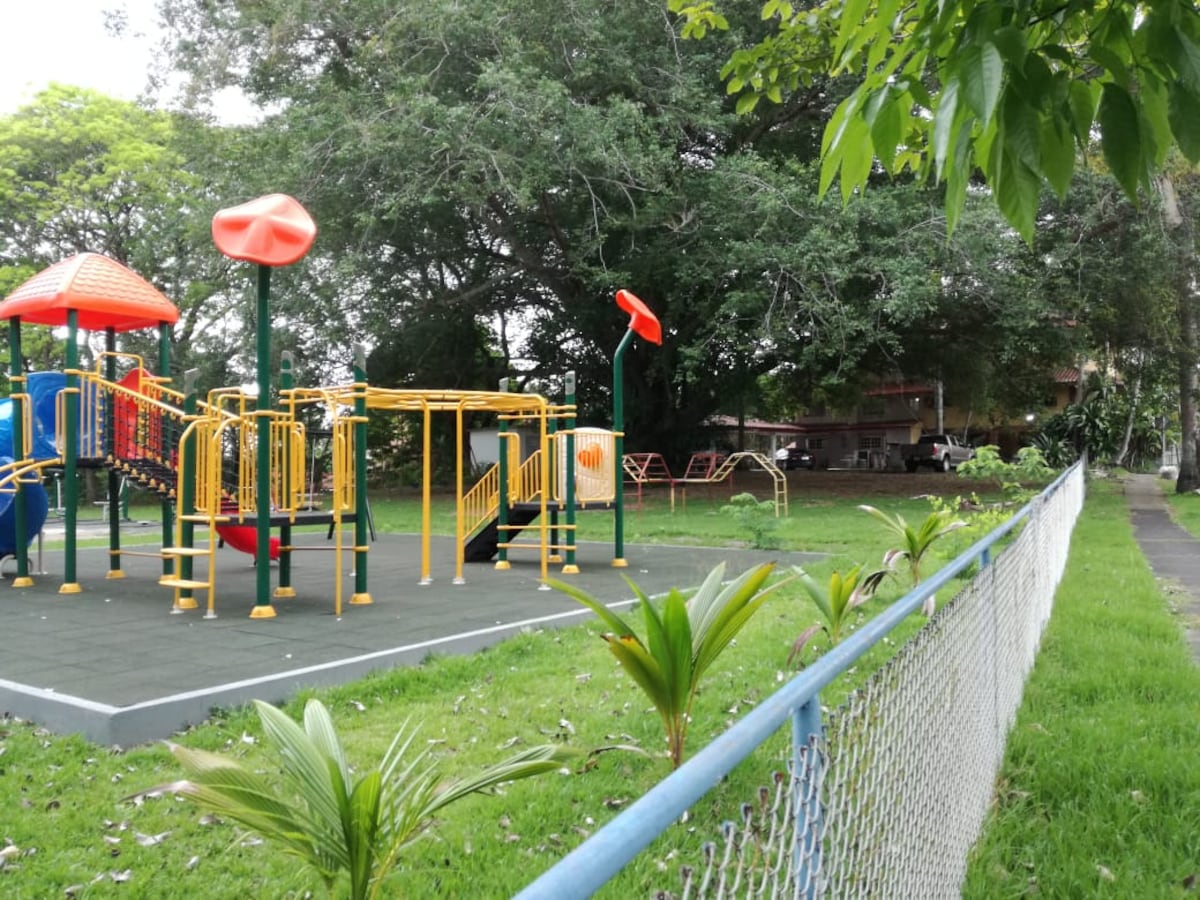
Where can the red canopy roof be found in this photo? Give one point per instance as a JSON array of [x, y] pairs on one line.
[[274, 230], [104, 294]]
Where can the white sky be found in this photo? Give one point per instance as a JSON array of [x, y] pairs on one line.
[[65, 41]]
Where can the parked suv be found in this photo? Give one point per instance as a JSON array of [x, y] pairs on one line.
[[793, 457]]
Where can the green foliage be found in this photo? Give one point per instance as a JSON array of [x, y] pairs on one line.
[[981, 518], [1056, 451], [835, 601], [756, 518], [681, 642], [336, 819], [1019, 89], [1030, 466], [915, 543]]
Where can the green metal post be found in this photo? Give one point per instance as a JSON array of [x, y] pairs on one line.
[[187, 488], [361, 595], [550, 428], [114, 480], [285, 589], [619, 452], [168, 505], [70, 516], [502, 494], [570, 568], [18, 386], [262, 604]]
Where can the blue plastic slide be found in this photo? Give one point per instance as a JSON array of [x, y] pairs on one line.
[[37, 504]]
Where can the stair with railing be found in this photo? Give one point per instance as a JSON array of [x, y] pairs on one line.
[[481, 508]]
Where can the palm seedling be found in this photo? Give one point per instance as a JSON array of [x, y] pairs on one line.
[[914, 542], [337, 820], [682, 639], [836, 601]]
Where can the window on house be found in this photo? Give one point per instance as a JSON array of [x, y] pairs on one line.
[[816, 443], [870, 442]]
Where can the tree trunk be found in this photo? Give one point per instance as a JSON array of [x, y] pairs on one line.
[[1189, 353], [1129, 419], [1189, 477]]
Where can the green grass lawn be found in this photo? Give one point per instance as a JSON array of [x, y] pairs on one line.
[[61, 800], [1099, 795]]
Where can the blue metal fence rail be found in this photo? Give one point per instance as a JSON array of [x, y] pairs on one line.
[[591, 865]]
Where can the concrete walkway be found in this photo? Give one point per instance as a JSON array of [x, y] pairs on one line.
[[1173, 553]]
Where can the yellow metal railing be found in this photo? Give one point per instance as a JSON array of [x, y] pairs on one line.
[[343, 465], [287, 464], [482, 502], [780, 480], [529, 480]]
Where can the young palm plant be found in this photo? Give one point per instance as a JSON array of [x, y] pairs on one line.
[[681, 641], [915, 542], [842, 596], [335, 822]]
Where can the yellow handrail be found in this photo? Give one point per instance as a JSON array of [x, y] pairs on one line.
[[482, 501]]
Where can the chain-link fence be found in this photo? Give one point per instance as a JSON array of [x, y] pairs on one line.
[[887, 795], [893, 797]]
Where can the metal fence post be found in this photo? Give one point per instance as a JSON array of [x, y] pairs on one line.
[[807, 733]]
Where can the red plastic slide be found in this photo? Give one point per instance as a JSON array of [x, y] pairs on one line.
[[245, 538]]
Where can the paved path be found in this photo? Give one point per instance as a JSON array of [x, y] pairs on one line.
[[1173, 553]]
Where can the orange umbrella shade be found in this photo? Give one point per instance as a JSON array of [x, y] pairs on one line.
[[274, 230], [641, 320], [103, 293]]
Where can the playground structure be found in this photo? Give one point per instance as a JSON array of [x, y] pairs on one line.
[[237, 466], [705, 467]]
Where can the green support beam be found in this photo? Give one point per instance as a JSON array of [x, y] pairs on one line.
[[619, 560], [285, 590], [570, 567], [262, 557], [114, 480], [361, 594], [70, 583], [167, 505]]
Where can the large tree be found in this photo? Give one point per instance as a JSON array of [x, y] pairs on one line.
[[504, 167]]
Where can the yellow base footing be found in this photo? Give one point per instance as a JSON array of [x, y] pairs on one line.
[[114, 574], [72, 588], [620, 564], [285, 593], [503, 565], [570, 570], [186, 603], [554, 558], [361, 599], [263, 612], [23, 582]]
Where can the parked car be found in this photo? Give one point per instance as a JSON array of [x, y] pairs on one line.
[[793, 457], [941, 452]]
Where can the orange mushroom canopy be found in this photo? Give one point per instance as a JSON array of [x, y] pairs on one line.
[[644, 323], [274, 230], [103, 292]]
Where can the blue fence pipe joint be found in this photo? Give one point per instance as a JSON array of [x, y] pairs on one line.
[[590, 866]]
